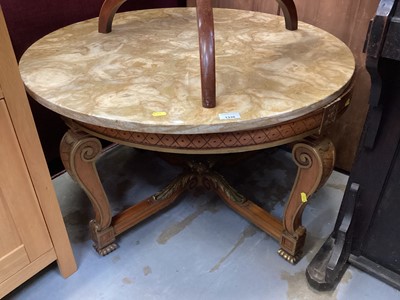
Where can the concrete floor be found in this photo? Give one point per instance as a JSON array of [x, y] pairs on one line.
[[199, 248]]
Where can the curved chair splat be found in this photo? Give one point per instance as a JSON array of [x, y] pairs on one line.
[[107, 13], [205, 22], [290, 13]]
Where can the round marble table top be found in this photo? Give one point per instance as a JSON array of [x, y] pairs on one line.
[[144, 76]]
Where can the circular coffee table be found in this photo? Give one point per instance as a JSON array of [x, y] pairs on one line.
[[140, 85]]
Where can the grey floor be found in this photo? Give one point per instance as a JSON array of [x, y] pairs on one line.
[[199, 248]]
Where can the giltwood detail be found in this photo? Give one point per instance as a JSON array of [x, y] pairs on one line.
[[104, 240], [146, 208], [243, 206], [218, 183], [176, 187]]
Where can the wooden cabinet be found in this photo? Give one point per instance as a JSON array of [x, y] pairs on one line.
[[32, 232]]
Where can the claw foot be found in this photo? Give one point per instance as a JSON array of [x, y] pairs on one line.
[[106, 250], [288, 257]]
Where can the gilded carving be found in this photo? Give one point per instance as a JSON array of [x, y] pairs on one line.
[[218, 183], [178, 185]]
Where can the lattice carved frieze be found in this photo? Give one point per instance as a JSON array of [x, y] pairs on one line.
[[212, 141]]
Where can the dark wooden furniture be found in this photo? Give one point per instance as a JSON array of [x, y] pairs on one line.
[[366, 233]]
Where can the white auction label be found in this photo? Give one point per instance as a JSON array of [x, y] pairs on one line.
[[229, 116]]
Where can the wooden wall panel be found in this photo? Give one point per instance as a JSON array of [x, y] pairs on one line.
[[348, 20]]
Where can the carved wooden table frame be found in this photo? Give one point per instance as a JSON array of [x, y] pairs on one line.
[[314, 157]]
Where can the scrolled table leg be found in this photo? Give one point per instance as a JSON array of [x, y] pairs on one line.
[[315, 161], [79, 152]]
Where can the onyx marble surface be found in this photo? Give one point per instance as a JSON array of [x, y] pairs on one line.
[[145, 76]]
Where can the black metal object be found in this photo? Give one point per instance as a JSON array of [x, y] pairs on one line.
[[330, 262], [367, 230]]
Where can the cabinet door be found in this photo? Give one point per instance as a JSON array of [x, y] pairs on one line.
[[23, 232]]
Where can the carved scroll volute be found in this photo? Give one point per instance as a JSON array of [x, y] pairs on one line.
[[315, 161], [79, 152]]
